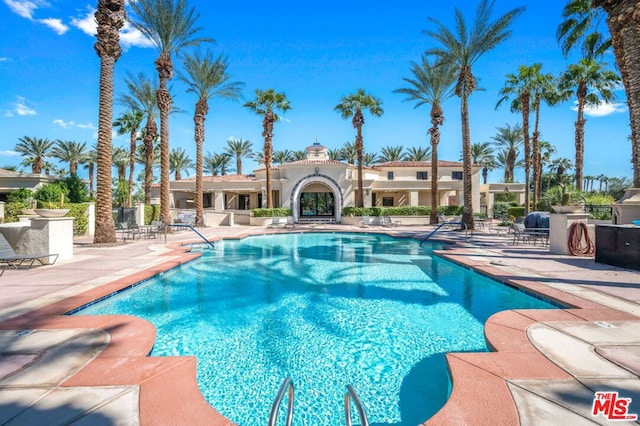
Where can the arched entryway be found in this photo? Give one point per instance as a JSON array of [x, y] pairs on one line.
[[316, 197]]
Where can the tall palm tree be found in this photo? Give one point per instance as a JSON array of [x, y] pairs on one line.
[[390, 153], [216, 163], [509, 139], [335, 154], [463, 48], [267, 103], [207, 77], [90, 161], [141, 96], [239, 148], [297, 155], [120, 159], [129, 122], [110, 17], [560, 166], [432, 85], [544, 158], [482, 153], [580, 27], [420, 153], [171, 26], [369, 158], [348, 153], [622, 20], [71, 152], [34, 151], [282, 156], [352, 106], [592, 85], [519, 88], [179, 161]]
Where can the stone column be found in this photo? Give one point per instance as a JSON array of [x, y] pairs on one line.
[[559, 225]]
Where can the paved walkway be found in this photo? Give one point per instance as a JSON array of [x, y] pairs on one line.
[[547, 366]]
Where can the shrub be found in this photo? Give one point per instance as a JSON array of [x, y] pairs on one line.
[[151, 213], [387, 211], [51, 195], [13, 209], [77, 191], [516, 212], [501, 209], [79, 212], [450, 210], [22, 194], [275, 212]]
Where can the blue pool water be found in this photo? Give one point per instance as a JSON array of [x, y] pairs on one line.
[[327, 310]]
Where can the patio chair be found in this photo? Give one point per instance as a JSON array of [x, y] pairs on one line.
[[365, 222], [10, 258], [520, 234], [290, 223], [275, 223]]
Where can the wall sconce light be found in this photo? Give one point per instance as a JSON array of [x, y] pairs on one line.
[[506, 189], [368, 191]]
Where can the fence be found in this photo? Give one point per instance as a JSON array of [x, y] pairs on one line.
[[124, 214]]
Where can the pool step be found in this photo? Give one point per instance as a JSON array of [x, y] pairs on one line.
[[287, 387]]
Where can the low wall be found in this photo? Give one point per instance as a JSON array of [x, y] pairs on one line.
[[377, 220], [39, 235], [219, 218]]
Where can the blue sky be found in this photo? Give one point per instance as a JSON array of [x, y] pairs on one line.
[[315, 53]]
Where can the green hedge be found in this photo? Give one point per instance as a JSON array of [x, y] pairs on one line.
[[401, 211], [13, 209], [276, 212], [151, 213], [79, 212], [516, 212]]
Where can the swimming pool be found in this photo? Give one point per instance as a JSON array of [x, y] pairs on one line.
[[327, 310]]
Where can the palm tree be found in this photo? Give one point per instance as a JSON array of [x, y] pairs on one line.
[[352, 106], [544, 158], [348, 153], [239, 148], [420, 153], [580, 26], [510, 139], [519, 88], [34, 151], [560, 166], [90, 161], [463, 48], [335, 154], [482, 153], [71, 152], [141, 96], [129, 122], [390, 153], [432, 84], [622, 20], [120, 159], [267, 103], [170, 26], [297, 155], [207, 77], [504, 160], [110, 17], [216, 163], [179, 161], [592, 85], [282, 156], [369, 158]]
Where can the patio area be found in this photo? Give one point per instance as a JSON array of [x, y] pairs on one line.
[[546, 366]]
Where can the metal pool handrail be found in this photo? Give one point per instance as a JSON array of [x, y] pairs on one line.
[[287, 384], [185, 225], [351, 395]]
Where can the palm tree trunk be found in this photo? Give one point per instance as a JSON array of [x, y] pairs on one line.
[[467, 184], [524, 99], [149, 136], [164, 66], [437, 118], [536, 154], [623, 21], [267, 133], [358, 121], [91, 179], [132, 163], [238, 164], [579, 138], [198, 119]]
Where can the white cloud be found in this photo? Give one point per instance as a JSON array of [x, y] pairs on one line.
[[9, 153], [21, 107], [23, 8], [3, 59], [603, 109], [62, 123], [129, 36], [55, 24], [87, 125]]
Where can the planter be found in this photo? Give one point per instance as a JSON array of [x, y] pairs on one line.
[[51, 212], [29, 212], [567, 209]]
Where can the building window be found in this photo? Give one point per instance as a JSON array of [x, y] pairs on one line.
[[422, 175], [389, 175], [456, 175], [387, 201]]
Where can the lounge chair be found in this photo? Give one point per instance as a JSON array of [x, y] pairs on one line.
[[366, 222], [275, 223], [290, 223], [10, 258], [387, 222]]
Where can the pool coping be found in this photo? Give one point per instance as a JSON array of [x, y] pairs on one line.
[[480, 392]]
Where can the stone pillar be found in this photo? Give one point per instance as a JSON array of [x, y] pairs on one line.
[[218, 201], [559, 225], [140, 213], [627, 208], [413, 198], [91, 217], [41, 236], [1, 211]]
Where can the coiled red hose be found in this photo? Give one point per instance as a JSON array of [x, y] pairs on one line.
[[580, 244]]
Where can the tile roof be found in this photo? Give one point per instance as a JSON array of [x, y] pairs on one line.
[[5, 172], [208, 178], [416, 164]]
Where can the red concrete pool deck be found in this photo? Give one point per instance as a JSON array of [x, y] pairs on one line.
[[545, 368]]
